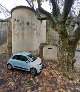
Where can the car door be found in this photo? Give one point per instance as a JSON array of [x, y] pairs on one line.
[[15, 61], [24, 63]]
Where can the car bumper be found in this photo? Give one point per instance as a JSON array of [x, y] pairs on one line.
[[39, 69]]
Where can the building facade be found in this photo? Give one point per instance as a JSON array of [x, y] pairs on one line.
[[27, 31], [3, 31]]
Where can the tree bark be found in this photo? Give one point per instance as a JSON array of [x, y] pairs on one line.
[[67, 7], [66, 50], [66, 55]]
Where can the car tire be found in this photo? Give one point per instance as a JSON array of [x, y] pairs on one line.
[[33, 71], [9, 66]]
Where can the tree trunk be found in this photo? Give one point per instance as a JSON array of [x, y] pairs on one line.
[[66, 50], [66, 57]]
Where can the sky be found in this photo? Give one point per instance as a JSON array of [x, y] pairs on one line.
[[9, 4]]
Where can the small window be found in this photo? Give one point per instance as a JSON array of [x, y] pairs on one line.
[[23, 58], [17, 57], [20, 57], [49, 48], [32, 57], [27, 23]]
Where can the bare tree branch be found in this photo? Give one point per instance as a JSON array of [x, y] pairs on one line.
[[76, 31], [76, 35], [79, 14], [67, 8], [55, 10], [30, 4], [42, 10]]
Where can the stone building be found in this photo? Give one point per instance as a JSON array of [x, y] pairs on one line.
[[27, 31], [9, 37], [3, 31]]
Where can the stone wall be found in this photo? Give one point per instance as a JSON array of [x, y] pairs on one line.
[[9, 37], [50, 52], [3, 31], [27, 31], [52, 35]]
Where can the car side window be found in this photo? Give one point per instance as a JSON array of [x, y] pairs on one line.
[[23, 58], [17, 57]]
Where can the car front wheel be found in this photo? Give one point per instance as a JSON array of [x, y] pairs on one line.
[[33, 71], [9, 66]]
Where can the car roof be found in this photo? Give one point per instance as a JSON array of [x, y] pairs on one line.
[[23, 53]]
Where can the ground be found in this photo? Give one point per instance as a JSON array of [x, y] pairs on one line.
[[50, 79]]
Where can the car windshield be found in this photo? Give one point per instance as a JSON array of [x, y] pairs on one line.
[[32, 57]]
